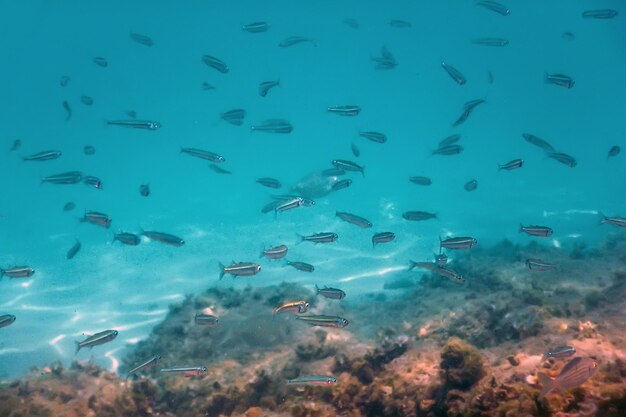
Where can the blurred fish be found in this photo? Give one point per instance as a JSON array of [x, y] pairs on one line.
[[73, 250], [313, 380], [256, 27], [458, 243], [495, 7], [100, 61], [298, 307], [324, 237], [266, 86], [574, 374], [441, 259], [348, 166], [96, 339], [471, 185], [386, 60], [468, 108], [540, 231], [136, 124], [69, 206], [207, 320], [70, 177], [126, 238], [240, 269], [615, 221], [64, 80], [301, 266], [400, 24], [450, 274], [537, 141], [92, 181], [614, 151], [423, 265], [16, 145], [294, 40], [89, 150], [563, 158], [207, 86], [332, 293], [568, 36], [511, 165], [271, 206], [376, 137], [97, 218], [561, 80], [86, 100], [354, 219], [17, 272], [166, 238], [450, 140], [355, 150], [421, 180], [141, 39], [150, 363], [454, 73], [215, 63], [144, 190], [269, 182], [383, 237], [131, 113], [219, 169], [43, 156], [202, 154], [6, 320], [273, 126], [324, 321], [186, 371], [333, 172], [499, 42], [418, 215], [535, 264], [234, 117], [448, 150], [559, 352], [345, 183], [600, 14], [490, 77], [277, 252], [353, 23], [347, 110], [68, 110]]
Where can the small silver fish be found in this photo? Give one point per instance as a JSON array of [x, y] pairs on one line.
[[348, 166], [215, 63], [537, 141], [100, 61], [68, 110], [352, 23], [70, 177], [559, 352], [17, 272], [573, 374], [219, 169], [97, 218], [614, 151], [298, 307], [615, 221], [294, 40], [354, 219], [458, 243], [561, 80], [256, 27], [540, 231], [400, 24], [89, 150], [468, 108], [535, 264], [375, 137], [383, 237], [418, 215], [471, 185], [332, 293], [240, 269], [186, 371], [563, 158], [355, 150], [423, 265], [43, 156], [166, 238], [313, 380], [511, 165], [600, 14], [347, 110], [6, 320], [202, 154], [495, 7], [324, 321], [454, 73], [289, 204], [419, 180], [269, 182], [92, 181], [273, 126], [448, 150], [126, 238], [142, 39], [234, 117], [207, 320], [150, 363], [266, 86], [341, 184], [277, 252], [324, 237], [498, 42], [450, 140], [96, 339], [144, 190], [450, 274], [301, 266], [73, 250], [441, 259], [136, 124]]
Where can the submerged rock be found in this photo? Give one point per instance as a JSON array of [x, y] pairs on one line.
[[461, 364]]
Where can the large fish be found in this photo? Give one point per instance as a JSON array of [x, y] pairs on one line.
[[574, 374], [96, 339]]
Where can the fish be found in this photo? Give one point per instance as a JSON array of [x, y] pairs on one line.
[[345, 183], [423, 265], [535, 264], [352, 23], [215, 63], [131, 113], [68, 110], [400, 24], [97, 218], [450, 274], [126, 238], [458, 243], [454, 73], [511, 165], [324, 321], [563, 158], [219, 169], [92, 181], [64, 80], [614, 151], [294, 40], [16, 145], [298, 307], [348, 166], [97, 339], [450, 140], [301, 266], [354, 219], [269, 182], [7, 320], [43, 156], [136, 124], [332, 293], [86, 100], [471, 185], [273, 126], [17, 272], [468, 108], [266, 86], [615, 221], [150, 363], [187, 371], [355, 150], [600, 14], [73, 250], [240, 269], [495, 7], [383, 237], [313, 380], [568, 36], [144, 190], [418, 215], [141, 39], [70, 177], [100, 61], [234, 117], [561, 80], [573, 374], [490, 77], [386, 60], [277, 252], [421, 180], [323, 237], [202, 154], [89, 150], [499, 42], [333, 172], [539, 231], [537, 141], [166, 238], [256, 27], [207, 320], [375, 137], [441, 259], [207, 86], [559, 352], [69, 206], [289, 205], [448, 150], [346, 110]]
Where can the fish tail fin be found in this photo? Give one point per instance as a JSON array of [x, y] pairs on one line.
[[300, 238], [77, 348], [412, 265], [521, 228], [440, 244], [222, 270], [547, 382], [602, 219], [317, 289], [363, 171]]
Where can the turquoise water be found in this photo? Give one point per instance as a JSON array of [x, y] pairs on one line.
[[112, 286]]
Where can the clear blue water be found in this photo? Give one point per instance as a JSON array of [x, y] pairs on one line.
[[108, 285]]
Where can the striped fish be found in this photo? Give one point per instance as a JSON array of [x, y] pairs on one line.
[[96, 339], [207, 320], [313, 380], [277, 252], [299, 307], [43, 156], [17, 272], [240, 269], [457, 243], [354, 219], [574, 374], [150, 363], [540, 231], [6, 320], [383, 237], [324, 321], [187, 371], [539, 265]]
